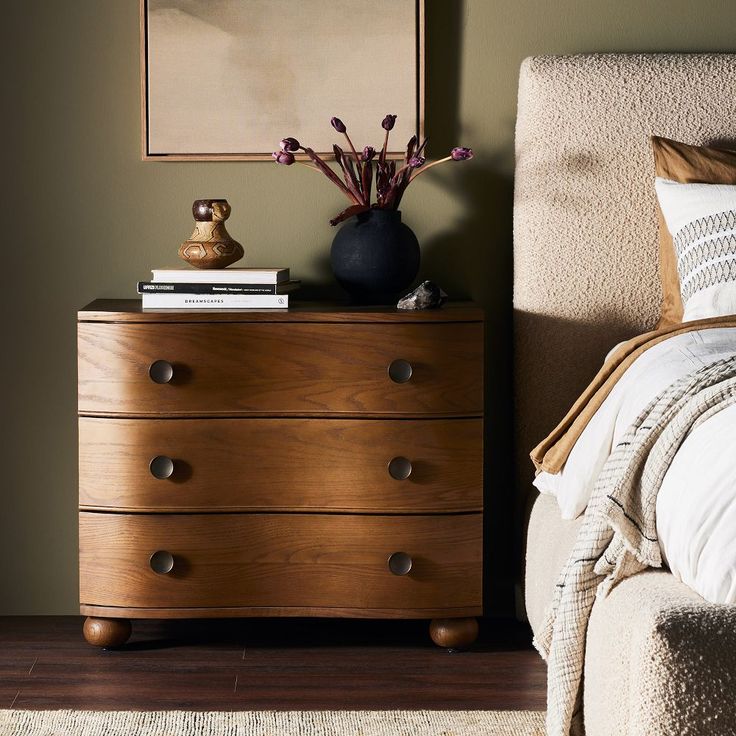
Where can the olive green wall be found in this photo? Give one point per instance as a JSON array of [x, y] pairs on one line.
[[85, 217]]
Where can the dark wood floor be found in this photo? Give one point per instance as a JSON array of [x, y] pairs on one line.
[[252, 664]]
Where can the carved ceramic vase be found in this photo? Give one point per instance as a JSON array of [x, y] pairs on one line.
[[375, 256], [210, 245]]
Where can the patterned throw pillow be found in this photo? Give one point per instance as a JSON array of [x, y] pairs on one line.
[[702, 221], [686, 164]]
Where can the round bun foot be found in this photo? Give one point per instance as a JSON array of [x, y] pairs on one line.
[[453, 633], [107, 632]]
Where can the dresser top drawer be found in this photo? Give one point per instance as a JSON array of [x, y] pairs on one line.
[[129, 310], [281, 369]]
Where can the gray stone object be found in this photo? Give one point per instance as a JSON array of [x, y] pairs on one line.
[[426, 296]]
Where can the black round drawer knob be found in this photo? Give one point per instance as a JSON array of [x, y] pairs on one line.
[[162, 562], [399, 563], [399, 371], [400, 468], [161, 371], [161, 467]]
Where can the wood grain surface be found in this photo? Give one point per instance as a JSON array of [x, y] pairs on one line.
[[281, 369], [130, 310], [454, 633], [335, 612], [106, 632], [271, 415], [281, 465], [280, 560], [271, 664]]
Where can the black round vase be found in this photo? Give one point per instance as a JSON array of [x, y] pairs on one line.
[[375, 256]]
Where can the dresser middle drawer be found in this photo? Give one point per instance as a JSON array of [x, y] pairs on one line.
[[359, 465]]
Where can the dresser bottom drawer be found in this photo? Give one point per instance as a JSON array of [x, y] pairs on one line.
[[274, 561]]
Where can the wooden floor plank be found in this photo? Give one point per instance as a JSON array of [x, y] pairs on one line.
[[8, 695], [278, 664], [131, 690]]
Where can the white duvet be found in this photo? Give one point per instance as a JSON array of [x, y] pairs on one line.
[[696, 505]]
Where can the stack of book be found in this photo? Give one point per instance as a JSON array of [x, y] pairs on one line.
[[217, 288]]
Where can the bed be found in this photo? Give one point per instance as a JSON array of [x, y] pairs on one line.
[[659, 659]]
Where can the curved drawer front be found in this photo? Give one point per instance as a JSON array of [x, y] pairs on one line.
[[297, 560], [280, 369], [371, 465]]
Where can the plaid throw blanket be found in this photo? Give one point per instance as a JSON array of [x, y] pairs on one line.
[[618, 536]]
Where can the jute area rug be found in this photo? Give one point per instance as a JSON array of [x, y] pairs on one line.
[[272, 723]]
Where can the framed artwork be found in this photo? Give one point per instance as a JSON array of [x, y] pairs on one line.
[[228, 79]]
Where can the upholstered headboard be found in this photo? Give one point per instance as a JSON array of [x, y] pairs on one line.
[[585, 223]]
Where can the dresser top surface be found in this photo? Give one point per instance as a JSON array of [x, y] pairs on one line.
[[129, 310]]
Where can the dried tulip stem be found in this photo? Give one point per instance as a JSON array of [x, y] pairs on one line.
[[352, 148], [417, 172], [385, 147], [330, 174], [395, 177]]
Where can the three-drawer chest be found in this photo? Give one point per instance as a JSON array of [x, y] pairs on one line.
[[316, 461]]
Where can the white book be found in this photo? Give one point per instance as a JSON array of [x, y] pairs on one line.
[[215, 301], [221, 275]]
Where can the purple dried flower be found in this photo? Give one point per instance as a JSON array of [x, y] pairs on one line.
[[338, 125], [289, 144], [368, 153], [461, 154], [416, 161], [388, 122], [283, 157]]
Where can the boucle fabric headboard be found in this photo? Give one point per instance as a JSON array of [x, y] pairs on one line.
[[585, 222]]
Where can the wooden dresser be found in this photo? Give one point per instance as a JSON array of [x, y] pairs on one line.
[[316, 461]]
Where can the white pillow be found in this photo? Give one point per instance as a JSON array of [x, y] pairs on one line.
[[702, 221], [696, 509], [650, 374]]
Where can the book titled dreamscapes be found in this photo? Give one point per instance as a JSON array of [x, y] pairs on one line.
[[226, 288]]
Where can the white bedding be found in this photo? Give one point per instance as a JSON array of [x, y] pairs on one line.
[[696, 505]]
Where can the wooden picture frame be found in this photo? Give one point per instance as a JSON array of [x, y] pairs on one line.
[[174, 103]]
